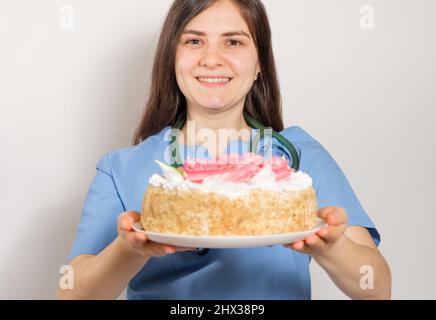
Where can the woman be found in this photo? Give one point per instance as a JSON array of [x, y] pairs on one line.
[[203, 40]]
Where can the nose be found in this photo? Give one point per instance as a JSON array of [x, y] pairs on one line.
[[211, 57]]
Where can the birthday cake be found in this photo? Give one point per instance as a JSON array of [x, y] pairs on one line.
[[231, 195]]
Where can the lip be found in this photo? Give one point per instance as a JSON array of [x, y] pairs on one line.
[[213, 85]]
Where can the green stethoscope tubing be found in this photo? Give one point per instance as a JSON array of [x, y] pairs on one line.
[[176, 161]]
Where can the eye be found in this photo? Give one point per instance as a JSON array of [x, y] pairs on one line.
[[193, 42], [234, 43]]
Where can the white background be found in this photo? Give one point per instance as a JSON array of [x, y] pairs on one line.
[[69, 95]]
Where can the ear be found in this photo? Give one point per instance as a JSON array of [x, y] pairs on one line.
[[257, 71], [258, 67]]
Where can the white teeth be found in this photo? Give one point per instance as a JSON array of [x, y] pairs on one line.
[[214, 80]]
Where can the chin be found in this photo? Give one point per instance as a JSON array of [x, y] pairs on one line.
[[213, 106]]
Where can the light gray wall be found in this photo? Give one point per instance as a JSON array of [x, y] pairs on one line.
[[69, 95]]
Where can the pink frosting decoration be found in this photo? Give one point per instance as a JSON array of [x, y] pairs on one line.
[[236, 168]]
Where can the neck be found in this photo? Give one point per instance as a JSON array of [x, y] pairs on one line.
[[208, 127]]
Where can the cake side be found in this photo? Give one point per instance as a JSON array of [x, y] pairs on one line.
[[259, 212]]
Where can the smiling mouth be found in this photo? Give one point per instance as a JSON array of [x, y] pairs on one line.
[[214, 81]]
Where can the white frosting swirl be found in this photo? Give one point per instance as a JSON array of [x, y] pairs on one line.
[[264, 180]]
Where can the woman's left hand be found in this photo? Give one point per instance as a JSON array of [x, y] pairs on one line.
[[320, 242]]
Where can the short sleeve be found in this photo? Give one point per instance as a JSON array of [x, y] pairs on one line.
[[330, 183], [98, 223]]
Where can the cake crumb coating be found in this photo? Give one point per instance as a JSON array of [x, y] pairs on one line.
[[197, 213]]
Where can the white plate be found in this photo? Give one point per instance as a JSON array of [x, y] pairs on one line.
[[228, 241]]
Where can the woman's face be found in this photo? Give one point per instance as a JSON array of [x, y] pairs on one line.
[[216, 58]]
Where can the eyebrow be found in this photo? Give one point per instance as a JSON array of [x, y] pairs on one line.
[[226, 34]]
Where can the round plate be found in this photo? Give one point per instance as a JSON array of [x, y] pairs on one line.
[[228, 241]]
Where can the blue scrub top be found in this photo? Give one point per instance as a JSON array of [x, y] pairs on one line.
[[254, 273]]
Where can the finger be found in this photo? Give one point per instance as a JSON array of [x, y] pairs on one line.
[[136, 239], [331, 234], [156, 249], [322, 213], [298, 246], [168, 249], [184, 248], [127, 220], [334, 215], [336, 218], [314, 242], [139, 238], [174, 249], [164, 248], [134, 214], [125, 223]]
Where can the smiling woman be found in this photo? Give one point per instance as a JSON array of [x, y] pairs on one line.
[[213, 56], [214, 64]]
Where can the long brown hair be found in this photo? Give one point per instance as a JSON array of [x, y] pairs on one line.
[[166, 103]]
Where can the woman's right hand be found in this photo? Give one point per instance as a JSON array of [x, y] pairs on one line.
[[138, 242]]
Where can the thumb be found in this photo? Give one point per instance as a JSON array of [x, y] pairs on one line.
[[323, 212], [334, 216], [128, 219]]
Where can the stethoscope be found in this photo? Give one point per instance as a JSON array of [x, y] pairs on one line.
[[180, 123], [175, 156]]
